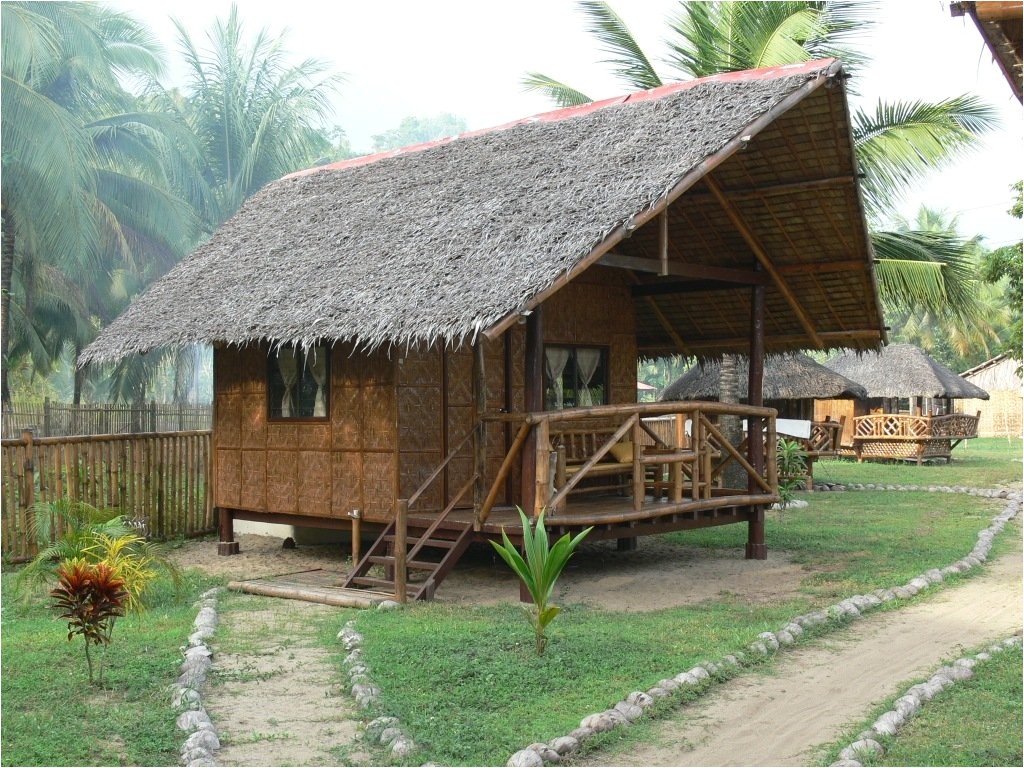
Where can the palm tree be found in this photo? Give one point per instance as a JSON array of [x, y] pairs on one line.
[[90, 183], [895, 145], [256, 116]]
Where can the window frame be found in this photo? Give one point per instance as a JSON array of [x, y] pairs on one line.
[[604, 366], [273, 370]]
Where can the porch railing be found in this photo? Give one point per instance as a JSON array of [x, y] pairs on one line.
[[681, 470], [901, 426]]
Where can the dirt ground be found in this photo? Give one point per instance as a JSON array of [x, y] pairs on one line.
[[752, 720], [597, 575]]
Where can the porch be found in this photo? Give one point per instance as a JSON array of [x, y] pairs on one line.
[[624, 470]]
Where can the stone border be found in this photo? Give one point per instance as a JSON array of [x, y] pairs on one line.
[[202, 741], [704, 675], [911, 702], [382, 731]]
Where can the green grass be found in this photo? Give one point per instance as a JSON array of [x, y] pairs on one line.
[[975, 722], [52, 715], [470, 690], [984, 462]]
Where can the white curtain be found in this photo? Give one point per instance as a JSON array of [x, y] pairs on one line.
[[289, 375], [555, 359], [316, 361], [587, 361]]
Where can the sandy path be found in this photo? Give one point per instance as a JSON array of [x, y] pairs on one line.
[[818, 690], [274, 696]]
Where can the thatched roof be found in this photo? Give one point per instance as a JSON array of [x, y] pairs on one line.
[[786, 377], [437, 244], [903, 370]]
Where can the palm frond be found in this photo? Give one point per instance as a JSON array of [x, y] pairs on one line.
[[628, 61]]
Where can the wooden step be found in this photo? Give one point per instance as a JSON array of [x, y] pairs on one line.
[[389, 560], [434, 543]]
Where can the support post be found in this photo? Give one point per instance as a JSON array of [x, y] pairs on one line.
[[401, 538], [756, 547], [226, 525], [480, 436], [533, 401], [357, 530], [28, 493]]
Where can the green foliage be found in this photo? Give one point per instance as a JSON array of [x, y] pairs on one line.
[[90, 596], [69, 529], [417, 130], [539, 569], [791, 461], [1005, 266]]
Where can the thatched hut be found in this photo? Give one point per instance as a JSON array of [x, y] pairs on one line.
[[1001, 414], [909, 401], [436, 327], [792, 382]]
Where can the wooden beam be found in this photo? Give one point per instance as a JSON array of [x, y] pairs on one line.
[[808, 185], [678, 286], [533, 397], [821, 268], [695, 271], [765, 260], [663, 242], [665, 324], [832, 338], [480, 441]]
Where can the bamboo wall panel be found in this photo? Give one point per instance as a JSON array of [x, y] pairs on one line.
[[252, 370], [379, 410], [253, 418], [459, 375], [347, 418], [253, 493], [228, 420], [314, 481], [281, 435], [346, 482], [229, 478], [379, 481], [282, 481], [419, 419], [160, 480]]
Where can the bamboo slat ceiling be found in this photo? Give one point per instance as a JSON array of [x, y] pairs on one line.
[[448, 240]]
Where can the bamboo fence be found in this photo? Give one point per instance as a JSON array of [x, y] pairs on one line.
[[53, 419], [159, 481]]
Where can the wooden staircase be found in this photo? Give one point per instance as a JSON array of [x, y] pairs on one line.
[[431, 553]]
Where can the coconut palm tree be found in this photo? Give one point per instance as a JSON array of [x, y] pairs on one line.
[[895, 145], [89, 181], [256, 115]]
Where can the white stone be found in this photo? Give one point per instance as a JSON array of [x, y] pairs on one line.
[[769, 639], [888, 723], [657, 692], [389, 735], [629, 711], [193, 720], [865, 747], [403, 746], [547, 754], [784, 637], [563, 745], [582, 733], [699, 673], [669, 684], [202, 738], [524, 758], [640, 699]]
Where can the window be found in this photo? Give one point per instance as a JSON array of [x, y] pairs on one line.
[[575, 377], [298, 383]]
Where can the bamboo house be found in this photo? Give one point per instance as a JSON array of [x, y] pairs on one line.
[[421, 340]]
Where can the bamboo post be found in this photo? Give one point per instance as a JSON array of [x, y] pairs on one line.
[[401, 533], [46, 417], [152, 415], [357, 524], [543, 468], [28, 493], [480, 434]]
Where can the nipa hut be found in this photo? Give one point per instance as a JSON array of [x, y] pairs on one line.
[[426, 339], [792, 382], [907, 413], [1001, 414]]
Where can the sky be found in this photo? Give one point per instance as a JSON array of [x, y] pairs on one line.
[[422, 58]]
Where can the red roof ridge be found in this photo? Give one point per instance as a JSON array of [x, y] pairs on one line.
[[564, 113]]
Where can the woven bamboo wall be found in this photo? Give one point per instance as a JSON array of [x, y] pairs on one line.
[[316, 468], [1000, 414], [835, 409], [393, 420]]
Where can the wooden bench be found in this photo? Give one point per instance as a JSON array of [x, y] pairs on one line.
[[824, 442], [902, 436], [575, 447]]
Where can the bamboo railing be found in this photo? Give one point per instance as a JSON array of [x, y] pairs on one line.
[[54, 419], [160, 481], [906, 436], [689, 456]]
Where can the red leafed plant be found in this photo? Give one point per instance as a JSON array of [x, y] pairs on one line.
[[90, 596]]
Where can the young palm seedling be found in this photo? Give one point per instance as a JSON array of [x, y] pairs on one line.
[[539, 567]]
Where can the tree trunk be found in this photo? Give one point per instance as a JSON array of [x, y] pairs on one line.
[[6, 280], [733, 475]]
